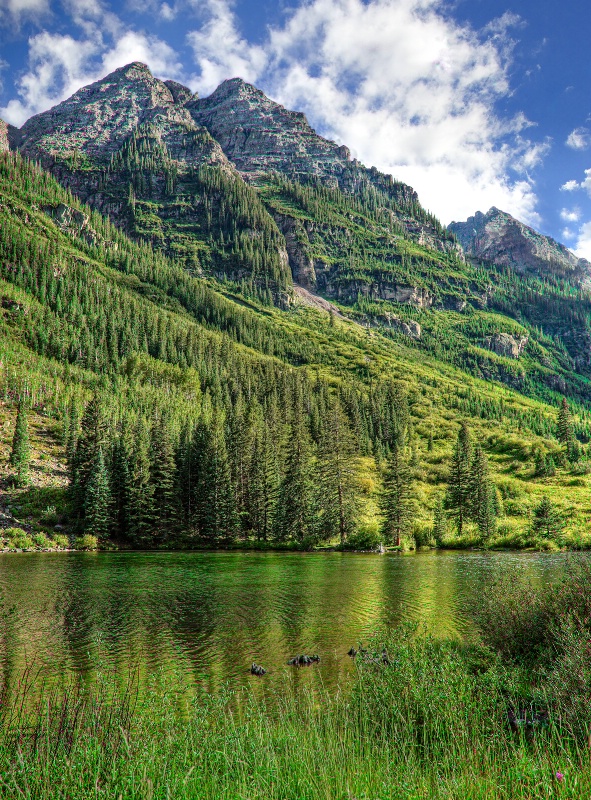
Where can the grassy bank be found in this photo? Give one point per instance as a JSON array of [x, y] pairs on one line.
[[506, 718]]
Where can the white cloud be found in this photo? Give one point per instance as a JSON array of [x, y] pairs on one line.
[[20, 10], [567, 234], [220, 51], [406, 87], [570, 186], [573, 186], [583, 246], [570, 214], [579, 139]]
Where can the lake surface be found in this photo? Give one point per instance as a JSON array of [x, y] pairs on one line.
[[206, 616]]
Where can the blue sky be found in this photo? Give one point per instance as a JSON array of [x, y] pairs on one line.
[[474, 102]]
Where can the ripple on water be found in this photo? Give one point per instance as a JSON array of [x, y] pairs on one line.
[[207, 616]]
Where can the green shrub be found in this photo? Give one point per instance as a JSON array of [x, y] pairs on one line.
[[40, 540], [60, 540], [366, 537], [18, 538], [49, 516], [423, 534], [86, 542], [11, 533]]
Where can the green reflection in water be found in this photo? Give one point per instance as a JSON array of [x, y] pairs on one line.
[[207, 616]]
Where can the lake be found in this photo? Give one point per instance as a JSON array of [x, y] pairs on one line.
[[205, 616]]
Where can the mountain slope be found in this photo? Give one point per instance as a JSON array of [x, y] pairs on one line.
[[241, 191], [182, 372]]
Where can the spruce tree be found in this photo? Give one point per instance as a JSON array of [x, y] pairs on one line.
[[214, 503], [547, 520], [97, 502], [336, 476], [482, 495], [439, 522], [564, 428], [163, 480], [396, 499], [20, 454], [140, 508], [295, 519], [91, 439], [457, 499]]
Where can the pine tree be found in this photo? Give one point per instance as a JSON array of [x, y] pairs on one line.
[[547, 521], [140, 508], [97, 502], [564, 427], [396, 500], [458, 499], [20, 454], [482, 495], [296, 519], [336, 476], [163, 480]]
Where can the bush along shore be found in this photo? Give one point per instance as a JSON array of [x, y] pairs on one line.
[[506, 717]]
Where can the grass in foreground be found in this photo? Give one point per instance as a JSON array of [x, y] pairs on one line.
[[432, 722]]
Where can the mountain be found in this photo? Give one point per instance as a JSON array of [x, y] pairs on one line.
[[500, 238], [215, 309]]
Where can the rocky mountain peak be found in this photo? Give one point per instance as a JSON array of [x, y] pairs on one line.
[[500, 238], [97, 118], [259, 135], [180, 94]]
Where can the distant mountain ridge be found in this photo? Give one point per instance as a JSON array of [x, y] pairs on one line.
[[500, 238]]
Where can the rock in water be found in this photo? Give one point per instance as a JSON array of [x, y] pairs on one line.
[[303, 661]]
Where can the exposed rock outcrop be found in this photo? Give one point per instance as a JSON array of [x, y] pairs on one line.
[[76, 223], [408, 327], [4, 145], [500, 238], [504, 344]]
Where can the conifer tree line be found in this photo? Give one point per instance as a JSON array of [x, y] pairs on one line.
[[282, 472]]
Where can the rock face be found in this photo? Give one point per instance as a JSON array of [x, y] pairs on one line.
[[504, 344], [9, 136], [4, 145], [498, 237]]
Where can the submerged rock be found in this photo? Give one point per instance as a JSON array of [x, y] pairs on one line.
[[303, 661]]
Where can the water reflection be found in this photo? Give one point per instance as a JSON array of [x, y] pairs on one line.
[[209, 615]]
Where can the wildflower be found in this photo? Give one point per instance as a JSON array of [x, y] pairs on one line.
[[559, 777]]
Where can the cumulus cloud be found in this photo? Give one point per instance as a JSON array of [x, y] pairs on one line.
[[567, 234], [569, 186], [583, 247], [221, 52], [573, 186], [20, 10], [579, 139], [570, 214], [406, 87]]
